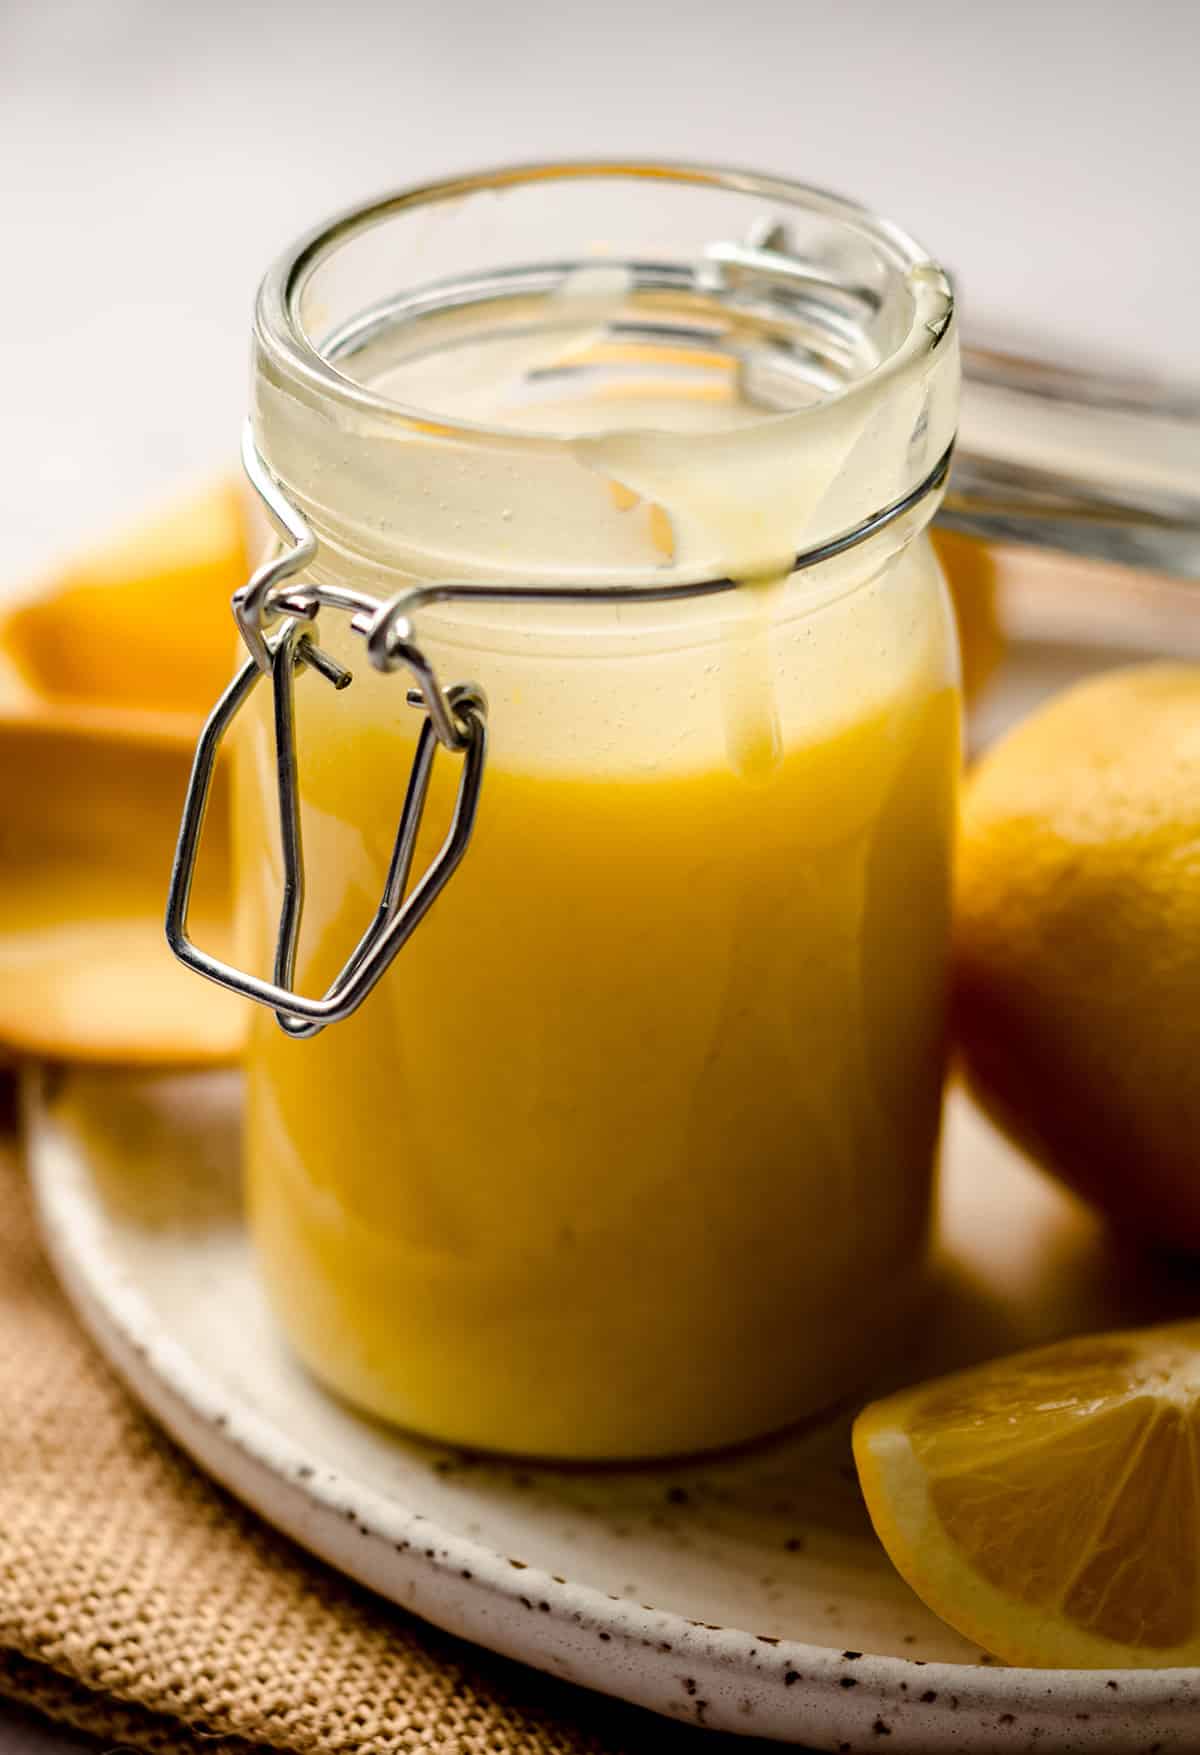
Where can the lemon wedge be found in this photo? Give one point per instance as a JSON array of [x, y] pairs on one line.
[[1047, 1505]]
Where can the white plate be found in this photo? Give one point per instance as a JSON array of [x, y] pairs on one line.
[[745, 1592]]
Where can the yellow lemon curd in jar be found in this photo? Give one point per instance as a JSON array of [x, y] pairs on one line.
[[630, 1152]]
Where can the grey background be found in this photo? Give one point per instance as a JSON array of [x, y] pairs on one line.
[[154, 157]]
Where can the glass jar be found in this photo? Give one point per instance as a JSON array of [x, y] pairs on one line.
[[630, 1152]]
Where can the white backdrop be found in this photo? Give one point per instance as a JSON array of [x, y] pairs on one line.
[[154, 156]]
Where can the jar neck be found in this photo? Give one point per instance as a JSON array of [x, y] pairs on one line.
[[711, 412]]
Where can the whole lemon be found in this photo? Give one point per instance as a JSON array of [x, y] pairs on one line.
[[1077, 943]]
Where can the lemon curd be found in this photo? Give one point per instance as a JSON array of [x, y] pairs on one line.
[[630, 1153]]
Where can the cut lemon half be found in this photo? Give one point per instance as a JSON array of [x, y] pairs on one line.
[[89, 805], [141, 619], [1048, 1505]]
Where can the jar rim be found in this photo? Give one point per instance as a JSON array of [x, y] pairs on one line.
[[282, 335]]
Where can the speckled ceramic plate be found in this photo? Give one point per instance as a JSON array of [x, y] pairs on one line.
[[745, 1592]]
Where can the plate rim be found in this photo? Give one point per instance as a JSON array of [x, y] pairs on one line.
[[457, 1583]]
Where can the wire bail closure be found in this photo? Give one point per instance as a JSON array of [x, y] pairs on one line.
[[455, 720]]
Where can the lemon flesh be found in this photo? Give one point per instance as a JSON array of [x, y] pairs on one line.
[[1047, 1506]]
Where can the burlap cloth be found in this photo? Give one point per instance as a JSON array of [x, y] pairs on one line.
[[141, 1603]]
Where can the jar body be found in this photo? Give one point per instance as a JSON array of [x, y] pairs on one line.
[[631, 1151]]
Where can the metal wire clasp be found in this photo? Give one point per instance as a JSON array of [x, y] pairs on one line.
[[455, 718]]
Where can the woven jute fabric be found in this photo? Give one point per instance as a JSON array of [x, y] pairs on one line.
[[141, 1603]]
